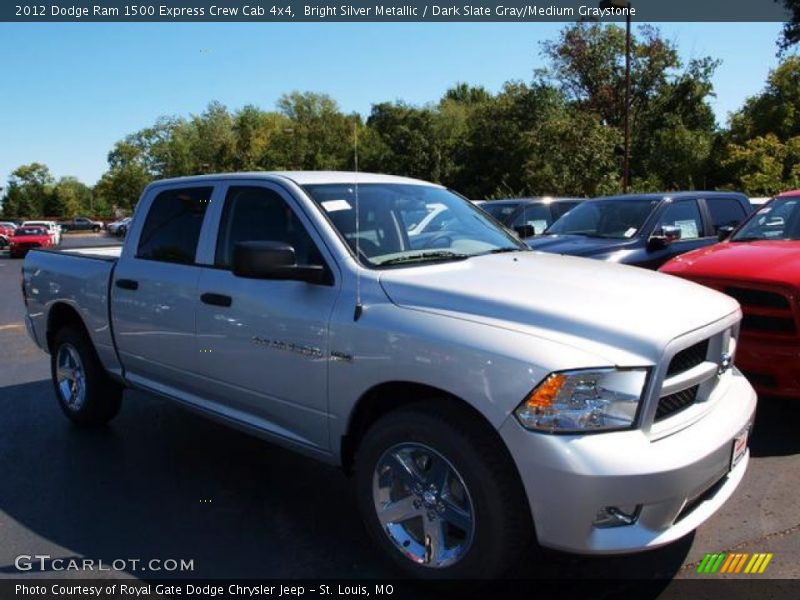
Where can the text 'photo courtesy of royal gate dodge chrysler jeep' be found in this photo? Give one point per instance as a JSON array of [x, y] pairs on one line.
[[481, 394]]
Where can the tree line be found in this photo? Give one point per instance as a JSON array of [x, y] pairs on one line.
[[558, 134]]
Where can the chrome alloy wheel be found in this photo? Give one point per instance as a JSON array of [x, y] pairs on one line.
[[423, 505], [71, 377]]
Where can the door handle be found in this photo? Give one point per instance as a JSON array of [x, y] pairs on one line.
[[127, 284], [216, 299]]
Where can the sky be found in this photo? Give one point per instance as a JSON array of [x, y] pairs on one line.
[[71, 90]]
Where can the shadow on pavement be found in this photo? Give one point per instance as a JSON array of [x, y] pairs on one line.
[[161, 482], [775, 431]]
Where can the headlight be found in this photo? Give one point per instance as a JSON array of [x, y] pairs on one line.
[[586, 400]]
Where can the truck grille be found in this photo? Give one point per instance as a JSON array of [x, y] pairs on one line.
[[767, 324], [688, 358], [758, 298], [674, 403]]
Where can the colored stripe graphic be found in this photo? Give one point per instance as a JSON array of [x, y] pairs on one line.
[[735, 562]]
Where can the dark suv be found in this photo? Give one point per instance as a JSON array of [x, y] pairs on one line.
[[645, 230], [529, 216]]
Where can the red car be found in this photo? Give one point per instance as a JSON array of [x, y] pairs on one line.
[[6, 231], [759, 265], [25, 238]]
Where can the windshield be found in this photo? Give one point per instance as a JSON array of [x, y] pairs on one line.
[[612, 218], [407, 224], [778, 220]]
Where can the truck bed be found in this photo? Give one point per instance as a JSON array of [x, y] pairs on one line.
[[79, 278]]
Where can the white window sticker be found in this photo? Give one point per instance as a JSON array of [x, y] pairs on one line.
[[629, 232], [334, 205], [538, 226], [688, 228]]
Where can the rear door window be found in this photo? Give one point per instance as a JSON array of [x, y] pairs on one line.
[[725, 212], [172, 228]]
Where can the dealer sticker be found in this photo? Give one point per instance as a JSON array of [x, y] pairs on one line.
[[739, 446]]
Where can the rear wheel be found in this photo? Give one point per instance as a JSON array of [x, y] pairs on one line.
[[85, 393], [440, 495]]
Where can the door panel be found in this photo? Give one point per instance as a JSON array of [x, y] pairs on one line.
[[154, 293], [266, 353]]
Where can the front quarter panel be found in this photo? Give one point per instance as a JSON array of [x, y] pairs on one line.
[[490, 368]]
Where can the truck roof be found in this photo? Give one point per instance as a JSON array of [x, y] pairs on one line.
[[672, 195], [303, 177]]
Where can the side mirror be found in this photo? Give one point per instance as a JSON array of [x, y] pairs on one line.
[[525, 231], [724, 232], [274, 260], [664, 236]]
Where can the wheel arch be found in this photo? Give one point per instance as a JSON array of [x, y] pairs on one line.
[[60, 315], [386, 397]]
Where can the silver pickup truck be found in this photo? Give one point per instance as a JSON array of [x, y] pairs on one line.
[[483, 395]]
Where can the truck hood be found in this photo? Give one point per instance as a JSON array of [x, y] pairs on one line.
[[577, 245], [572, 300], [775, 261]]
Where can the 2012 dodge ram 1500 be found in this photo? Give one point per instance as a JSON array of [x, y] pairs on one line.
[[478, 391]]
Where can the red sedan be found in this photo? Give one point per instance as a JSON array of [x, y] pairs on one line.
[[759, 265], [25, 238]]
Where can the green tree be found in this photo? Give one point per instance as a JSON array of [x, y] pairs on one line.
[[669, 111], [775, 110], [29, 192], [791, 30], [71, 198]]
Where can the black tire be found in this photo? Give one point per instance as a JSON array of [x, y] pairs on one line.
[[501, 520], [96, 229], [101, 396]]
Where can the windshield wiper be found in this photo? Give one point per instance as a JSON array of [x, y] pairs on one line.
[[504, 250], [424, 256], [749, 239]]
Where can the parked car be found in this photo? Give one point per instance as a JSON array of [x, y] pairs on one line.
[[478, 392], [81, 224], [6, 231], [51, 226], [759, 265], [26, 238], [530, 216], [644, 230], [119, 228]]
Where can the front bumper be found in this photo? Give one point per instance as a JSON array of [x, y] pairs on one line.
[[680, 480], [772, 366]]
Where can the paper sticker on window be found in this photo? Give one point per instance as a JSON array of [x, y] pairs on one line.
[[538, 226], [629, 233], [334, 205], [688, 229]]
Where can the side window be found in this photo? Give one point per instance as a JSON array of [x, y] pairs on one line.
[[725, 212], [561, 208], [535, 215], [172, 227], [257, 214], [685, 215]]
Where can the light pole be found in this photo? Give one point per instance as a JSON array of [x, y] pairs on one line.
[[626, 157]]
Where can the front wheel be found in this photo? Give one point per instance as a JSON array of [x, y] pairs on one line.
[[85, 393], [440, 495]]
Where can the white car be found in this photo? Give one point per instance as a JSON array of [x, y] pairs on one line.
[[52, 227]]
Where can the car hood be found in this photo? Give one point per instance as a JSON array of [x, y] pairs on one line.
[[577, 245], [573, 300], [772, 261]]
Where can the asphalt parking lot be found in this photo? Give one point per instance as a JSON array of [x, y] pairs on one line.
[[160, 482]]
